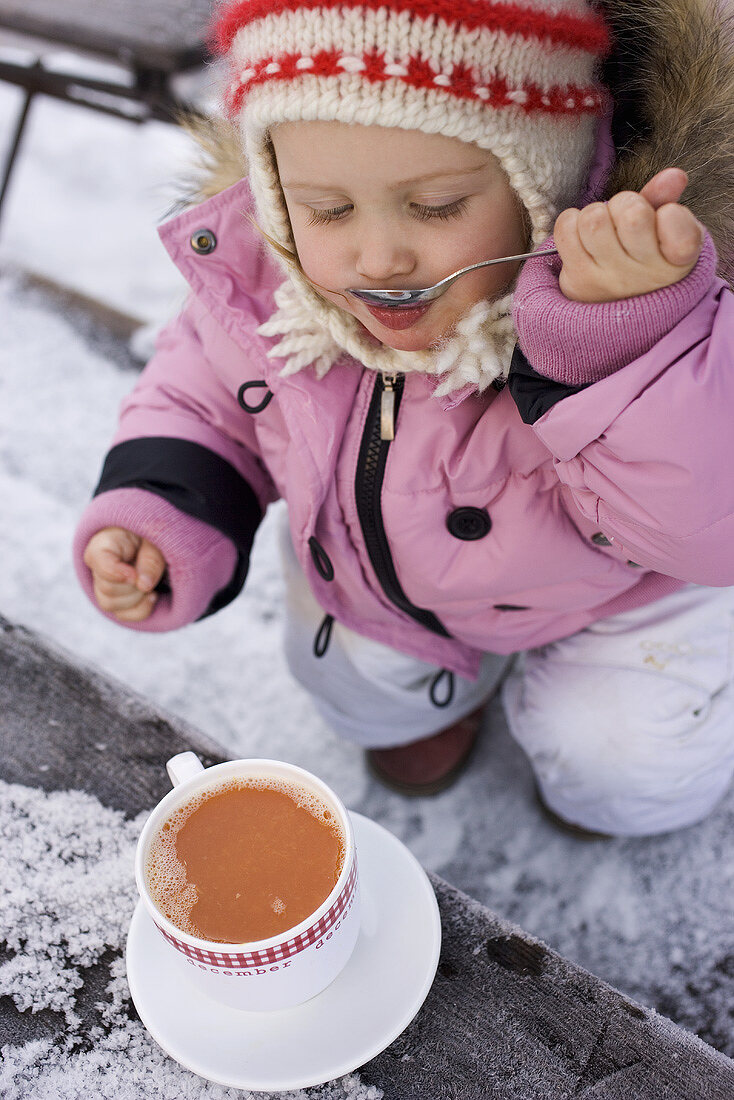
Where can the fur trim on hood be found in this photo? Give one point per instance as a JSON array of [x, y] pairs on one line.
[[672, 78]]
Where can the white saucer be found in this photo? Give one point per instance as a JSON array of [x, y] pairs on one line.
[[372, 1001]]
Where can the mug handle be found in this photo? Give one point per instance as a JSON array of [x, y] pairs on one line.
[[183, 767]]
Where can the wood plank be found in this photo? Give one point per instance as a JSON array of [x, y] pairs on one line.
[[65, 726]]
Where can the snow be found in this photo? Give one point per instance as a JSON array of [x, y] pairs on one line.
[[69, 894], [653, 917], [64, 228]]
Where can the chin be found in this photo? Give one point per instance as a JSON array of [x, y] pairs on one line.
[[407, 341]]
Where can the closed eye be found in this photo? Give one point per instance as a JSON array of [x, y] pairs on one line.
[[323, 217], [448, 210], [418, 210]]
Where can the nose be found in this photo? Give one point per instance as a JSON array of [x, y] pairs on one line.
[[384, 253]]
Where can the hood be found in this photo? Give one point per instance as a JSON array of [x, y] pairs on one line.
[[672, 78], [671, 75]]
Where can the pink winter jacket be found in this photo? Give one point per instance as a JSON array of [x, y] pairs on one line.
[[491, 522]]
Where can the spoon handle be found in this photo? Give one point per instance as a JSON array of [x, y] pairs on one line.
[[500, 260], [396, 299]]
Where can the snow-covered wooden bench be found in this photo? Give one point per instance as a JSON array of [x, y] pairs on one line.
[[506, 1019], [152, 41]]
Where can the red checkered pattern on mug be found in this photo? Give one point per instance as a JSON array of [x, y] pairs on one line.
[[281, 951]]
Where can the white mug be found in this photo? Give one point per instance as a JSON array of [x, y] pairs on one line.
[[284, 970]]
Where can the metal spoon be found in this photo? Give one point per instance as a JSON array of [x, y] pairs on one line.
[[400, 299]]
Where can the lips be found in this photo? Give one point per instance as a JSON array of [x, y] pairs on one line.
[[396, 318]]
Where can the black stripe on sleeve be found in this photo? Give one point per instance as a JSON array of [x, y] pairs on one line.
[[534, 394], [199, 483]]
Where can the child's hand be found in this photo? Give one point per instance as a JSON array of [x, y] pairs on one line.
[[126, 568], [631, 245]]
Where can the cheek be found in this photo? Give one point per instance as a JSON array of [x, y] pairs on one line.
[[506, 237], [502, 229], [487, 283], [313, 255], [320, 262], [304, 250], [321, 265], [499, 235]]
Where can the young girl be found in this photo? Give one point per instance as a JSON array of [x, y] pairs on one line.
[[439, 520]]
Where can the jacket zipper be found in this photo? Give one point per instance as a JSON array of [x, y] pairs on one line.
[[379, 431], [387, 407]]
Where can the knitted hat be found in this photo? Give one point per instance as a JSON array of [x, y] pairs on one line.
[[518, 79]]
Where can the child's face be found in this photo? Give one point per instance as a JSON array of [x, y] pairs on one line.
[[374, 207]]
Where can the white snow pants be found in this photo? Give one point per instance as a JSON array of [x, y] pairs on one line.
[[628, 724]]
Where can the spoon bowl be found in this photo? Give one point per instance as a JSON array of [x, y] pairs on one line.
[[404, 299]]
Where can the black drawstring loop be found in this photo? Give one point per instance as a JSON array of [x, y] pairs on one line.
[[323, 636], [449, 692], [321, 560], [253, 408]]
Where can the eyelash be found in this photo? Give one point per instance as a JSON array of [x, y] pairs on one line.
[[323, 217], [450, 210], [421, 213]]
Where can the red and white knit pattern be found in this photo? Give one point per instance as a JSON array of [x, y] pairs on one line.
[[501, 54]]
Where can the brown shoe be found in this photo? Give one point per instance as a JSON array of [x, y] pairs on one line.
[[430, 765]]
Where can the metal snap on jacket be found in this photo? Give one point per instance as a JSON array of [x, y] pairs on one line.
[[203, 241], [600, 540], [255, 384], [469, 523]]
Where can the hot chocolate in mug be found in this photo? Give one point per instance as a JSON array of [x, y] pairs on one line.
[[291, 966]]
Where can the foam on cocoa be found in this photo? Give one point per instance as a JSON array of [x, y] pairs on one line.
[[165, 873]]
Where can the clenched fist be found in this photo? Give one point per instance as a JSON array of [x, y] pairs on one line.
[[633, 244], [126, 568]]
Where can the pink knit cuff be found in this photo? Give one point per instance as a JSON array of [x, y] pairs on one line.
[[580, 342], [200, 559]]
